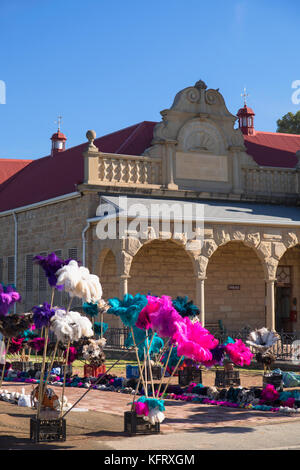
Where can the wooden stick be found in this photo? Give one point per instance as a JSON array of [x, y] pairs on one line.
[[3, 365], [49, 369], [40, 394], [164, 371], [138, 360], [149, 362], [65, 373], [175, 369]]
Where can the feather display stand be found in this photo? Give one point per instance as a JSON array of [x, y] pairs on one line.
[[65, 374], [169, 379], [99, 380], [41, 388], [149, 363], [139, 381], [164, 371], [3, 366], [138, 361]]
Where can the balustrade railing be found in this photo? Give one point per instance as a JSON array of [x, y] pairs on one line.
[[270, 181], [129, 170]]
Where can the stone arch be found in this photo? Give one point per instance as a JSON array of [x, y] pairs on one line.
[[108, 273], [291, 259], [233, 264], [163, 267]]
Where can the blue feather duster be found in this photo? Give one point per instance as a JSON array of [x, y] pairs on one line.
[[185, 307], [127, 309]]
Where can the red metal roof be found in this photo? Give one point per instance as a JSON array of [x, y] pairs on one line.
[[56, 175], [50, 177], [273, 149], [10, 166]]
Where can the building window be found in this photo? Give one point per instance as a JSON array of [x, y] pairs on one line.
[[283, 275], [1, 270], [73, 253], [29, 273], [42, 276], [10, 269]]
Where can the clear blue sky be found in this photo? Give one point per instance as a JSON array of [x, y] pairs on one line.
[[105, 65]]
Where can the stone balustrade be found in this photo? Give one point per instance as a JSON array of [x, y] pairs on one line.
[[270, 181]]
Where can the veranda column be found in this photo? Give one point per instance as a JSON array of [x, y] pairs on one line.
[[200, 298], [270, 304], [124, 285]]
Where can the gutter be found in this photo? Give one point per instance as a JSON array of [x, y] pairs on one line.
[[36, 205]]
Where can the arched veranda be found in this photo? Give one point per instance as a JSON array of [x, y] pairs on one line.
[[235, 287], [162, 267]]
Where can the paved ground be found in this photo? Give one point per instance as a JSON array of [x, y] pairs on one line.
[[98, 424]]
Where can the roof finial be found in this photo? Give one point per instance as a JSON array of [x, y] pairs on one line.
[[245, 96], [58, 122]]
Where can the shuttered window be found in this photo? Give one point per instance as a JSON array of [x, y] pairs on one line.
[[1, 270], [10, 269], [29, 273]]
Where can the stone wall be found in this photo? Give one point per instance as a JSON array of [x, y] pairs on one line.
[[235, 264], [55, 227], [162, 267]]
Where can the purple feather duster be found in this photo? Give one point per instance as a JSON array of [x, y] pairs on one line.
[[51, 264], [8, 296], [42, 315]]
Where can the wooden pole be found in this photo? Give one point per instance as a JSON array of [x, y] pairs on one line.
[[138, 361], [3, 366], [164, 371], [169, 380], [65, 373]]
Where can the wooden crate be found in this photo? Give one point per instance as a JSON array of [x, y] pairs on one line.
[[275, 379], [227, 378], [156, 372], [93, 371], [44, 430], [189, 374], [134, 424]]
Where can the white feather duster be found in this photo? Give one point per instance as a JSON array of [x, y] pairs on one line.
[[155, 416], [78, 282], [262, 339], [70, 326]]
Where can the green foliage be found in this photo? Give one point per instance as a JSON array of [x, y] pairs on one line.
[[289, 123]]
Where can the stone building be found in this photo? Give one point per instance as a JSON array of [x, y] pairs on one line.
[[244, 269]]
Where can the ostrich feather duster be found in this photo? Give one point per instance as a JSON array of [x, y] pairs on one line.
[[15, 324], [51, 264], [262, 339], [185, 307], [194, 341], [165, 319], [90, 309], [144, 320], [239, 353], [70, 326], [42, 315], [98, 326], [37, 344], [78, 282], [8, 297], [15, 345], [92, 351], [127, 309]]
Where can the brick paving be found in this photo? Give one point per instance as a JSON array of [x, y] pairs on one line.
[[179, 415]]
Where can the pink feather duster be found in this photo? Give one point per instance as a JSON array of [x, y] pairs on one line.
[[194, 341], [239, 353]]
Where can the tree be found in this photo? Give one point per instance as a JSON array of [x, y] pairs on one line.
[[289, 124]]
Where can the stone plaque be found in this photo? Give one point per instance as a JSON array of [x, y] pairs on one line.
[[201, 166]]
